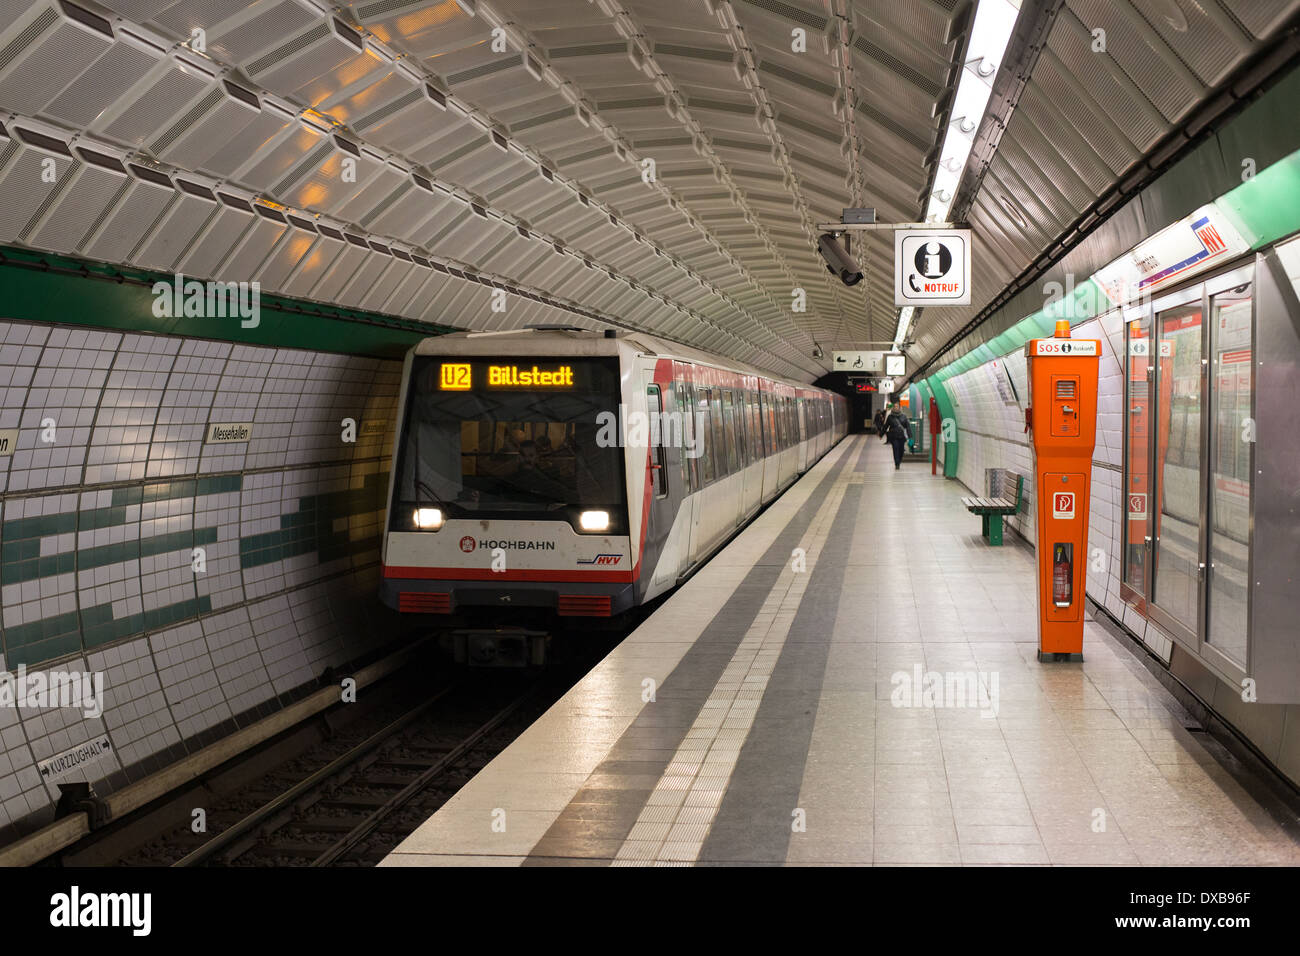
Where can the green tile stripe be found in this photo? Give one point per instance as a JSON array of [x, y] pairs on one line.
[[310, 529]]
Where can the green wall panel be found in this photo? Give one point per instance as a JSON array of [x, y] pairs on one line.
[[35, 287]]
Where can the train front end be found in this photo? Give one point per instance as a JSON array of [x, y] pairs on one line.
[[508, 498]]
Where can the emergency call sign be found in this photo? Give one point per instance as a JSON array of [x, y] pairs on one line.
[[931, 267], [1065, 347]]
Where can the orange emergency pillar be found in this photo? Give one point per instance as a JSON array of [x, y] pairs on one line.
[[1062, 418]]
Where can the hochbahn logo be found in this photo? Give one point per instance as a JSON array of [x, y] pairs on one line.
[[468, 544]]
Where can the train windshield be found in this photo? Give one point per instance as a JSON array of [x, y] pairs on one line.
[[509, 435]]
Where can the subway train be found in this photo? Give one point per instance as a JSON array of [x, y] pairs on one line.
[[562, 472]]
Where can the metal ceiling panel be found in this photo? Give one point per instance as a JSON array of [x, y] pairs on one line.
[[285, 158], [316, 262], [96, 179], [1261, 17], [335, 274], [131, 216], [105, 81], [1202, 35], [1138, 50], [235, 148], [193, 205], [288, 66], [370, 290], [238, 38], [218, 236], [44, 49], [172, 88], [293, 246], [224, 112], [34, 167], [254, 246]]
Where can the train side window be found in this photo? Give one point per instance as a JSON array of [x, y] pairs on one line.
[[755, 428], [707, 447], [655, 406], [729, 430], [773, 439], [742, 436], [718, 429], [690, 477]]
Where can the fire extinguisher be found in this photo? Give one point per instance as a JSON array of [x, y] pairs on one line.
[[1062, 574]]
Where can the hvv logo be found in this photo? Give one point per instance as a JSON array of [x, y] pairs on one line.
[[602, 559]]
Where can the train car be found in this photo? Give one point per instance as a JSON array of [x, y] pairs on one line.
[[573, 473]]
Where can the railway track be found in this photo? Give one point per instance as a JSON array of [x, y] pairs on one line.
[[353, 809]]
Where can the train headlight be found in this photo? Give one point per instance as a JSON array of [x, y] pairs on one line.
[[428, 519], [594, 521]]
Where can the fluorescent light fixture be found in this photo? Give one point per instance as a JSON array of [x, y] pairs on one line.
[[594, 521], [428, 519], [995, 20], [904, 320]]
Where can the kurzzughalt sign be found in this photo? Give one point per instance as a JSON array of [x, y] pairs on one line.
[[224, 433], [75, 760]]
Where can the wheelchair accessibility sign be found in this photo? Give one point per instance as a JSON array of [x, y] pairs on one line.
[[931, 267]]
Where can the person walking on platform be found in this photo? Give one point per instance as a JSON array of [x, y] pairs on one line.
[[879, 422], [898, 431]]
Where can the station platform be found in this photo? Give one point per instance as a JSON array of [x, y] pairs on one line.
[[768, 715]]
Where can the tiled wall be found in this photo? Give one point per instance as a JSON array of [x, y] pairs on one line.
[[106, 496]]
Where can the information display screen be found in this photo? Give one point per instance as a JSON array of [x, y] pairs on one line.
[[550, 375]]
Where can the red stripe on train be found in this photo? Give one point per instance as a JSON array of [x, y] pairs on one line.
[[486, 574]]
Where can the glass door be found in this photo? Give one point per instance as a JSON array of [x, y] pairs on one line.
[[1232, 444], [1176, 507], [1139, 377], [1188, 464]]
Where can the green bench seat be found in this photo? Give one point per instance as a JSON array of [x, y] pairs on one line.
[[998, 504]]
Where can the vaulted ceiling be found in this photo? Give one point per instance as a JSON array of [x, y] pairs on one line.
[[651, 165]]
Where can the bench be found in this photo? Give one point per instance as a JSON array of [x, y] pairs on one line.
[[999, 502]]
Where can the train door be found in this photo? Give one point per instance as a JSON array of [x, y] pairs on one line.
[[801, 407], [1187, 467], [691, 468], [753, 490], [664, 537]]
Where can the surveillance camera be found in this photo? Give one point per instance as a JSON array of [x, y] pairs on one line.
[[817, 351], [838, 261]]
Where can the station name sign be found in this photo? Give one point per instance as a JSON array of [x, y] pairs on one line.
[[225, 433]]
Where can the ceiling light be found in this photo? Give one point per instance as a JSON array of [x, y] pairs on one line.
[[904, 321], [991, 31]]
